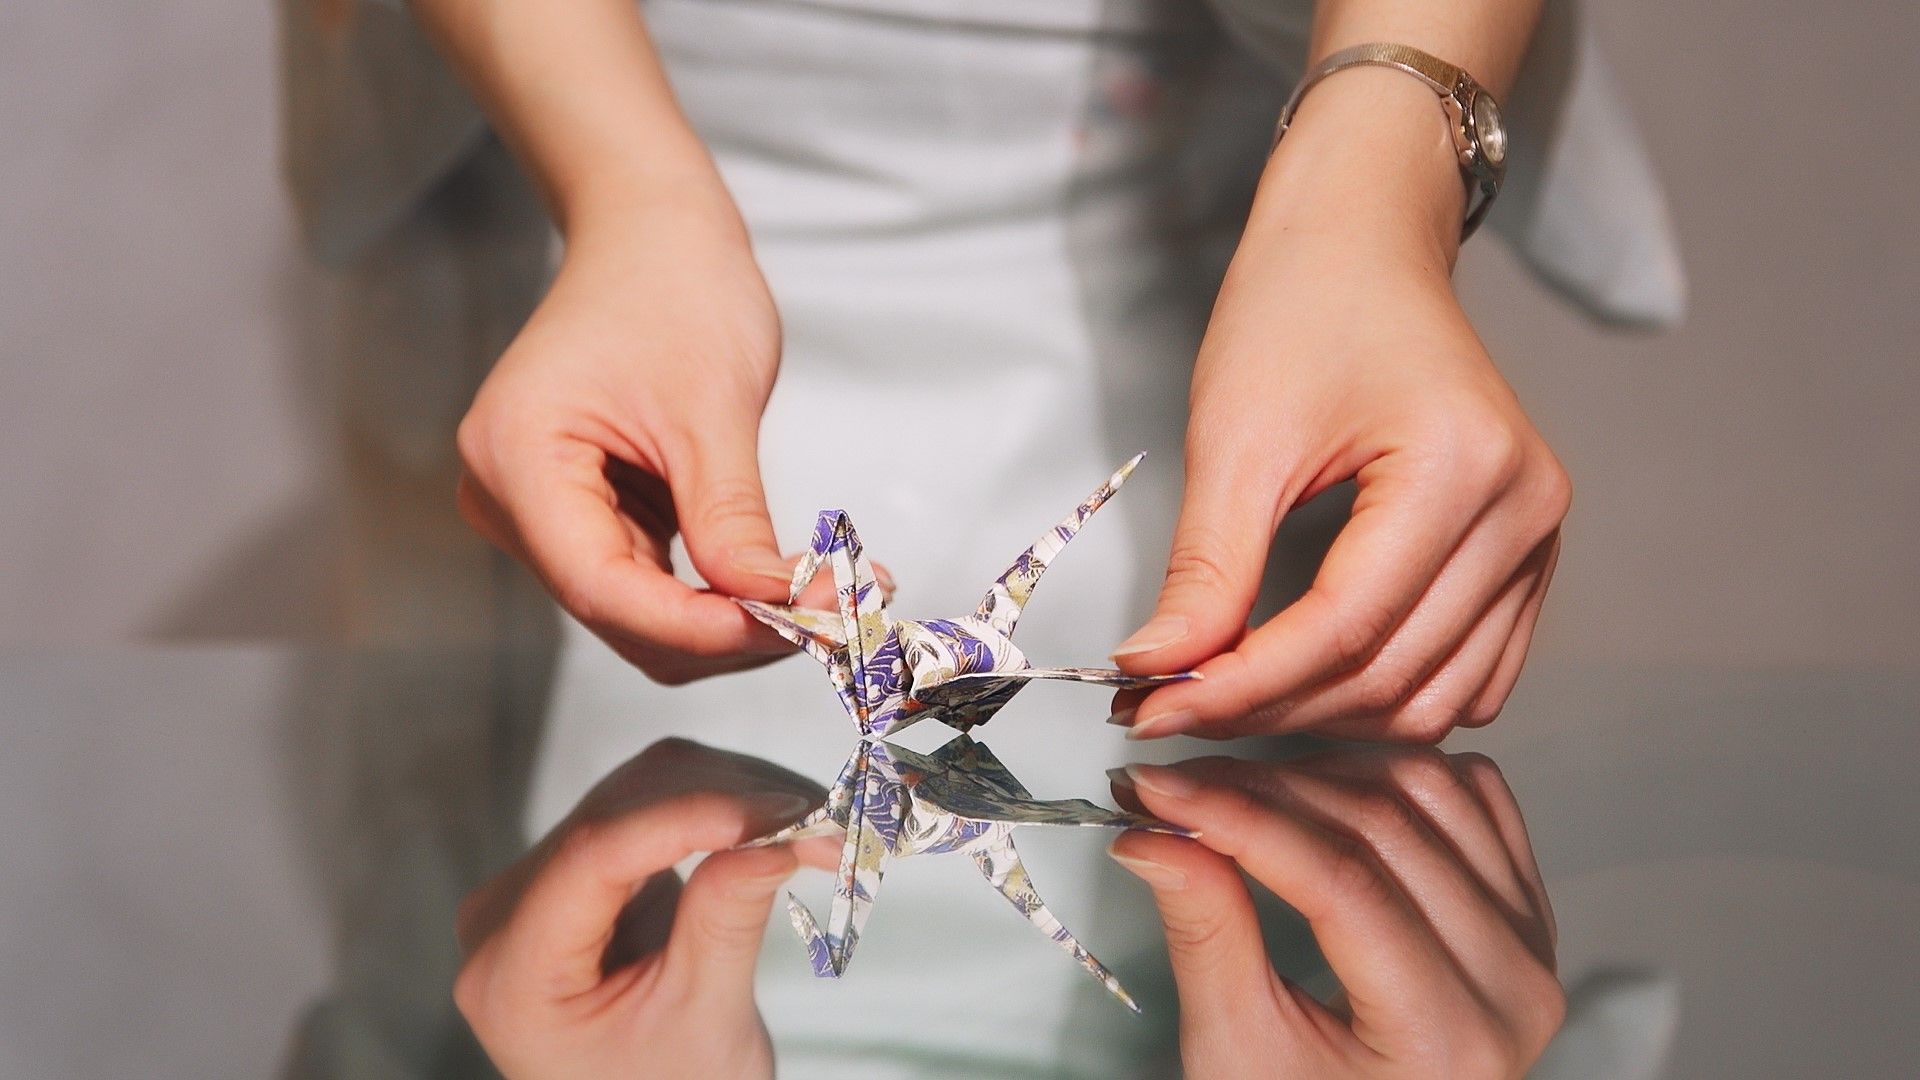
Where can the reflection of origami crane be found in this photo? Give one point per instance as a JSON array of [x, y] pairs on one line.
[[891, 674]]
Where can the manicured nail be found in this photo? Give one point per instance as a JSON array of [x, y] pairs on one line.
[[1118, 774], [1160, 632], [1157, 874], [885, 579], [1123, 718], [1161, 780], [780, 806], [763, 564], [1166, 723]]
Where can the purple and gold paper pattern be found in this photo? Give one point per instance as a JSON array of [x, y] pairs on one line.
[[891, 674]]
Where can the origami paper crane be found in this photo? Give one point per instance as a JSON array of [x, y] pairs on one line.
[[893, 673]]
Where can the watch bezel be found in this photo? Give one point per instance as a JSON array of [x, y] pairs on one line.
[[1469, 140]]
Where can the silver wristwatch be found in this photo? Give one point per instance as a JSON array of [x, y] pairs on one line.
[[1479, 134]]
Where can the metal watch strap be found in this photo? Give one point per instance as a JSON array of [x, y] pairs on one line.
[[1441, 76], [1446, 80]]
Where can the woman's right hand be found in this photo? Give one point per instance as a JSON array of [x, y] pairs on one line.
[[1413, 870], [629, 409]]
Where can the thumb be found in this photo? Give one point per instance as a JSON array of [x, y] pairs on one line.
[[722, 508], [1213, 575], [721, 920], [1219, 958]]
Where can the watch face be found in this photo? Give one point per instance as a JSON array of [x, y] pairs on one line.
[[1490, 128]]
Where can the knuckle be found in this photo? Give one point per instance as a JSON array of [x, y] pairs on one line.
[[576, 594], [1195, 933], [1194, 564], [1385, 687], [1483, 713], [732, 502], [1427, 723], [471, 995], [1424, 770], [1548, 1012], [1479, 768], [1378, 815], [1359, 629], [1353, 876], [477, 438], [470, 440], [1479, 1051], [582, 844], [1554, 491], [1495, 453]]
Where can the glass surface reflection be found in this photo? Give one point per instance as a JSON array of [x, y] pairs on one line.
[[1412, 869]]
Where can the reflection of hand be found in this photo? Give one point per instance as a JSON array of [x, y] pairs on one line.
[[588, 958], [628, 410], [1414, 872], [1337, 350]]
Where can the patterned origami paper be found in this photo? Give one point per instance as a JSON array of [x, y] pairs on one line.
[[892, 673]]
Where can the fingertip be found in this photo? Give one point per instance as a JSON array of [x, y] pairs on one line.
[[754, 875], [1139, 860]]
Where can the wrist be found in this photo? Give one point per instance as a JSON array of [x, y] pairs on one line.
[[623, 219], [1368, 161]]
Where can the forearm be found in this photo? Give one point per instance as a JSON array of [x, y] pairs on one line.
[[578, 92], [1367, 155]]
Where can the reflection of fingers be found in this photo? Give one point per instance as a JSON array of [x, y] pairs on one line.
[[674, 669], [1474, 930], [1436, 785], [1213, 936], [556, 937], [1378, 945], [1506, 674], [722, 917], [1495, 794]]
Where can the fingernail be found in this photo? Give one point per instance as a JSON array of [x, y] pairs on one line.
[[885, 579], [1166, 723], [781, 806], [1157, 874], [1160, 632], [1118, 774], [763, 564], [759, 888], [1161, 780], [1123, 718]]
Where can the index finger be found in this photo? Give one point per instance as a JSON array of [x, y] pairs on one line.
[[572, 887], [564, 512], [1402, 530]]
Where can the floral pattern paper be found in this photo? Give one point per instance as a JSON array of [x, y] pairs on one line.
[[893, 673]]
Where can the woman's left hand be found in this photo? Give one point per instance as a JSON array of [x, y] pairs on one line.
[[1414, 872], [1337, 350]]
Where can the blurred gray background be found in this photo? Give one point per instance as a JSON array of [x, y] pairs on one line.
[[1715, 741]]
